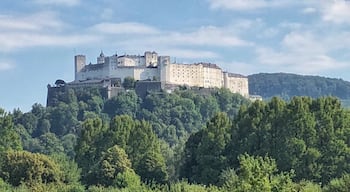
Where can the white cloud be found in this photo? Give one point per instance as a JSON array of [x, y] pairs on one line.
[[189, 53], [296, 62], [301, 52], [5, 65], [124, 28], [203, 36], [59, 2], [247, 4], [337, 12], [12, 41], [309, 10], [34, 22], [208, 35], [303, 42], [40, 29]]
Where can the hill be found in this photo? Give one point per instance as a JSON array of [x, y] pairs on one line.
[[287, 85]]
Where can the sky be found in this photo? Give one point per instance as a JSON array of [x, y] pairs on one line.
[[39, 38]]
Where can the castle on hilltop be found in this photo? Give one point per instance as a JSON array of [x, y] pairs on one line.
[[110, 72]]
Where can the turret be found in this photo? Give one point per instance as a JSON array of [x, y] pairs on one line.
[[101, 58], [79, 63]]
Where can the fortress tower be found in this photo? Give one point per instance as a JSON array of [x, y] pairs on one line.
[[101, 58], [151, 59], [79, 63]]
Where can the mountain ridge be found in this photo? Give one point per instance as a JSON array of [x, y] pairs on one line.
[[287, 85]]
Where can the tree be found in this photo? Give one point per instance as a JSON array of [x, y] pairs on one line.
[[211, 150], [63, 118], [86, 150], [152, 167], [256, 174], [339, 184], [114, 169], [125, 103], [129, 83], [119, 131], [70, 171], [31, 168], [9, 139], [189, 167], [51, 144], [144, 151]]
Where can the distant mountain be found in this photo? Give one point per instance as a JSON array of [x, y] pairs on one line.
[[288, 85]]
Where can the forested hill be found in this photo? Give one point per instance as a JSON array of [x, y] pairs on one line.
[[288, 85], [186, 141]]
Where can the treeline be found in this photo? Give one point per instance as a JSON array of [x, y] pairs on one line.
[[286, 86], [184, 141]]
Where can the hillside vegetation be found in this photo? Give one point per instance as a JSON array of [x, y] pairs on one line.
[[183, 141], [289, 85]]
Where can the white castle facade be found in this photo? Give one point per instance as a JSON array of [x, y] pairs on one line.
[[151, 66]]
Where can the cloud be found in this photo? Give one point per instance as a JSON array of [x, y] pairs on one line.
[[296, 62], [189, 53], [5, 66], [124, 28], [12, 41], [68, 3], [207, 36], [309, 10], [203, 36], [301, 52], [35, 22], [243, 5], [337, 12], [39, 29]]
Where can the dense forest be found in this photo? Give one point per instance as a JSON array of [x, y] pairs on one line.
[[180, 141], [287, 85]]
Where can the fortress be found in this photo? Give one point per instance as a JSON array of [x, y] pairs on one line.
[[110, 71]]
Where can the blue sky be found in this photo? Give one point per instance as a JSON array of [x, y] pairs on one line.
[[39, 38]]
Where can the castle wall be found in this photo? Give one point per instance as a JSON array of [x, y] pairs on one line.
[[236, 84], [212, 77], [122, 72], [198, 75], [154, 67], [186, 74], [146, 74]]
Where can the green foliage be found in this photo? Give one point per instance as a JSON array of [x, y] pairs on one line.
[[119, 131], [289, 85], [152, 167], [341, 184], [125, 103], [63, 118], [70, 172], [199, 135], [50, 144], [87, 153], [9, 138], [210, 153], [4, 186], [129, 83], [112, 163], [307, 186], [256, 174], [300, 135], [30, 168], [144, 151]]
